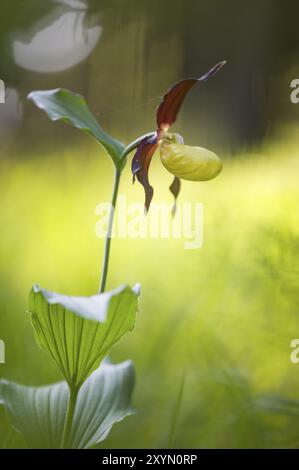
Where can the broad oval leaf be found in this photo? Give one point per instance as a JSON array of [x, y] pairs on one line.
[[10, 439], [63, 105], [39, 412], [78, 332]]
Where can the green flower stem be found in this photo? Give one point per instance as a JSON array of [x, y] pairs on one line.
[[71, 405], [109, 231], [72, 400]]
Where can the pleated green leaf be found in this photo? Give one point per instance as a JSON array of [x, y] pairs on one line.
[[10, 439], [39, 412], [63, 105], [78, 332]]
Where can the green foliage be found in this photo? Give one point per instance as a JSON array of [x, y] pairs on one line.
[[233, 303], [78, 332], [63, 105], [176, 412], [39, 412]]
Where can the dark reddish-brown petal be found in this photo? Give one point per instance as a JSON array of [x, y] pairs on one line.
[[175, 189], [169, 107], [140, 166]]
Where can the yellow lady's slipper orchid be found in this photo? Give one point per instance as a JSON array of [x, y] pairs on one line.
[[183, 161], [190, 163]]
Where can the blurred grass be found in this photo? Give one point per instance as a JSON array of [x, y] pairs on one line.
[[224, 314]]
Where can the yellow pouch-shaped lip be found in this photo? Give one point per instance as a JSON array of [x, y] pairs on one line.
[[190, 163]]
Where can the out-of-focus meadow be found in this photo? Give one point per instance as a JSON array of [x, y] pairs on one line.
[[223, 315]]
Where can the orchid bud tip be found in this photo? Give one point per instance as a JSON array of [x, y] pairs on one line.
[[221, 64]]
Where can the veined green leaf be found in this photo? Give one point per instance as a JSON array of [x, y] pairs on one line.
[[78, 332], [63, 105], [10, 439], [39, 412]]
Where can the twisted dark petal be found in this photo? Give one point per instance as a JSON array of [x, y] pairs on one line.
[[140, 166], [169, 107], [175, 189], [172, 101], [212, 71]]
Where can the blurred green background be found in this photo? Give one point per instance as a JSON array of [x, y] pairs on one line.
[[223, 315]]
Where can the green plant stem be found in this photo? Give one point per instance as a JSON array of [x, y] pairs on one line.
[[71, 405], [72, 400], [175, 417], [109, 231]]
